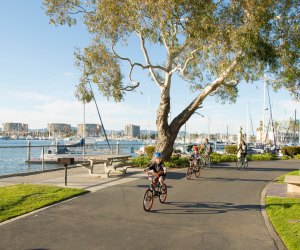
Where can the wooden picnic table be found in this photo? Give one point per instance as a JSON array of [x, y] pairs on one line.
[[111, 163]]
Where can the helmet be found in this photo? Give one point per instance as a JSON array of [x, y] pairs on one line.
[[157, 155], [196, 148]]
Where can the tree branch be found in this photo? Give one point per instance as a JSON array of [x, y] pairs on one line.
[[196, 103], [160, 84]]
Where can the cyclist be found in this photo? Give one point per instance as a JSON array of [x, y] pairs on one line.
[[242, 150], [158, 167], [207, 150], [195, 155]]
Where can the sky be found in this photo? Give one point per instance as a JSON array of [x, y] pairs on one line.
[[38, 78]]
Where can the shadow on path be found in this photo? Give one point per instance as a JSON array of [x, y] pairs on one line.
[[192, 208]]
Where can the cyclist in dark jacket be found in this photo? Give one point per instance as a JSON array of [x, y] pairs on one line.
[[158, 168], [242, 150]]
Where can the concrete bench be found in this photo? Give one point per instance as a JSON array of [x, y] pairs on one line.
[[119, 165], [293, 183]]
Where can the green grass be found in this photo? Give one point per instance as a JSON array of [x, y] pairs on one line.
[[284, 214], [20, 199], [280, 179]]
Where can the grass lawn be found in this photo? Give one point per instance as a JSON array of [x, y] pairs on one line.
[[280, 179], [284, 214], [23, 198]]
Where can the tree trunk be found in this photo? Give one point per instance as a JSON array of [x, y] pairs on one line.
[[166, 134]]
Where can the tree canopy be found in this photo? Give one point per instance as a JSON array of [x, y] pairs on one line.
[[212, 45]]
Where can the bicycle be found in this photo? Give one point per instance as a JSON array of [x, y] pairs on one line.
[[205, 161], [241, 162], [193, 168], [155, 190]]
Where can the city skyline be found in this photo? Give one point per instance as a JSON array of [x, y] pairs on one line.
[[38, 81]]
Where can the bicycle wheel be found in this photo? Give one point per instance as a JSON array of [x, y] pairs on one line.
[[189, 173], [239, 163], [163, 193], [148, 200], [245, 164], [201, 163], [197, 172]]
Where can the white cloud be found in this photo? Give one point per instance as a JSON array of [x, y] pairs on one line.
[[33, 96]]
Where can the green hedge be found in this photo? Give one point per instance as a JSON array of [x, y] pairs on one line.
[[140, 161], [297, 156], [263, 157], [230, 149], [290, 150], [217, 158]]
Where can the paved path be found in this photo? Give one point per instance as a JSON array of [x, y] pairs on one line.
[[220, 210]]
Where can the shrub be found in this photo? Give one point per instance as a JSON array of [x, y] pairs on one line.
[[291, 150], [297, 156], [177, 162], [149, 150], [230, 149], [263, 157], [217, 158], [140, 161], [286, 157]]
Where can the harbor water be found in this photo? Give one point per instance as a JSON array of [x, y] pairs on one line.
[[15, 153]]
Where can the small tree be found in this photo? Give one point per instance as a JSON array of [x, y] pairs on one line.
[[211, 45]]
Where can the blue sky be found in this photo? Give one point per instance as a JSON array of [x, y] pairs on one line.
[[38, 79]]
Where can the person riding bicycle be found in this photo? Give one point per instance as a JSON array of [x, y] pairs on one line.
[[195, 155], [158, 167], [242, 150], [207, 150]]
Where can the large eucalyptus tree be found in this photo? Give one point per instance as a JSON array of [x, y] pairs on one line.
[[211, 45]]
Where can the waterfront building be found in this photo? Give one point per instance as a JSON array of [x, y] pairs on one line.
[[14, 129], [59, 129], [91, 130], [132, 130]]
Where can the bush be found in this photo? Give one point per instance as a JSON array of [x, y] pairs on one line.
[[141, 161], [149, 150], [286, 157], [230, 149], [179, 162], [263, 157], [297, 156], [291, 150], [217, 158]]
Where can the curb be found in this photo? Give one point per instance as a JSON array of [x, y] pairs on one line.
[[277, 240]]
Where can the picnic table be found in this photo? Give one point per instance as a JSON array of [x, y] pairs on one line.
[[111, 163]]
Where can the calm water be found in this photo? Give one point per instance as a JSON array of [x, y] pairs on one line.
[[12, 160]]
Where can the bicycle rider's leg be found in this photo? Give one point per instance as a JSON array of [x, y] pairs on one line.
[[161, 180], [154, 181]]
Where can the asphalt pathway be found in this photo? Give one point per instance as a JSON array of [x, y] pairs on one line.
[[220, 210]]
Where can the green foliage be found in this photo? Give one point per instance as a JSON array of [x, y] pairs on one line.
[[24, 198], [284, 214], [258, 34], [217, 158], [263, 157], [177, 162], [140, 161], [286, 157], [297, 156], [230, 149], [290, 150], [149, 150]]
